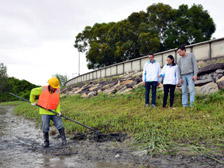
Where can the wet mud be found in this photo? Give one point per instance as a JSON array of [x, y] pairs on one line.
[[21, 147]]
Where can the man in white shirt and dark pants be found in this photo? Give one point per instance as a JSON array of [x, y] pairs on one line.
[[150, 77]]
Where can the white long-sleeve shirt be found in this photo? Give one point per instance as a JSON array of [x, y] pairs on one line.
[[151, 72], [170, 74]]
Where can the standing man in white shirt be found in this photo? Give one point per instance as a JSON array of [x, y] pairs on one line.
[[150, 77]]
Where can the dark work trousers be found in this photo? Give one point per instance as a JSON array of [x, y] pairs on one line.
[[168, 88], [147, 91]]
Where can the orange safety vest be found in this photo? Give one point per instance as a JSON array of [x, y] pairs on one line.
[[49, 100]]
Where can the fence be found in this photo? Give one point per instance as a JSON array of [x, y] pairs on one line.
[[202, 51]]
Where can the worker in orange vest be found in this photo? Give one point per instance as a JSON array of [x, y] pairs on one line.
[[49, 98]]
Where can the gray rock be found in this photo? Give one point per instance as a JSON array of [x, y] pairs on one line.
[[91, 94], [85, 89], [221, 85], [220, 71], [113, 83], [202, 82], [110, 90], [138, 79], [122, 89], [204, 77], [210, 68], [207, 89], [215, 76]]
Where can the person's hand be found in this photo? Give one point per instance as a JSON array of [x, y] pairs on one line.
[[195, 77], [181, 81], [143, 83], [59, 114], [159, 76], [34, 104]]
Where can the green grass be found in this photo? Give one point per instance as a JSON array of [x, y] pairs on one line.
[[11, 103], [156, 130]]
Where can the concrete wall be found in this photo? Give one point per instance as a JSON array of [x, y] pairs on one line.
[[202, 51]]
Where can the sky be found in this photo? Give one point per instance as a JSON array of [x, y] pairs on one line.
[[37, 36]]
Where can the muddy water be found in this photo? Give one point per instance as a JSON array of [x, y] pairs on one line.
[[20, 147]]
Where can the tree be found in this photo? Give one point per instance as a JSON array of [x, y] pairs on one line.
[[159, 28], [191, 25], [62, 79], [3, 78], [11, 84], [161, 16]]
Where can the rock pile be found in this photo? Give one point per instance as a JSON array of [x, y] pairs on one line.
[[120, 84], [210, 79]]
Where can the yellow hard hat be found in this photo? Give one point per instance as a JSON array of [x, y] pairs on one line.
[[54, 82]]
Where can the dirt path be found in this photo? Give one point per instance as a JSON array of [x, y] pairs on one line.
[[20, 147]]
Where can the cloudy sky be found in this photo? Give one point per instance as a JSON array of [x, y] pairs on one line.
[[37, 36]]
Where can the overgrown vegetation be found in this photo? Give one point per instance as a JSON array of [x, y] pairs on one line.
[[11, 84], [159, 28], [158, 131]]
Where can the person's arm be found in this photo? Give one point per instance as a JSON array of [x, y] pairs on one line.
[[58, 109], [159, 79], [195, 66], [179, 72], [162, 74], [144, 75], [35, 92], [176, 75]]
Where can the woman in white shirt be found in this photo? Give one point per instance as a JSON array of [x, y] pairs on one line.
[[170, 81]]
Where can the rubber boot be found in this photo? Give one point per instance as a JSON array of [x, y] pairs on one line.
[[62, 135], [46, 140]]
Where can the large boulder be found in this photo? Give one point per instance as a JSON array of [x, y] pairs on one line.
[[210, 68], [207, 89]]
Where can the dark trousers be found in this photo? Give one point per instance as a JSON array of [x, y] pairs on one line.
[[167, 89], [147, 91]]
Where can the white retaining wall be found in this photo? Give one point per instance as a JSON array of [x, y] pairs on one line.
[[202, 51]]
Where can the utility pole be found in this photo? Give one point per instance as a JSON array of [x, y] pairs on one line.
[[79, 65]]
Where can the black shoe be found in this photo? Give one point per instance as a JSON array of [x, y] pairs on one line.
[[62, 134], [46, 140]]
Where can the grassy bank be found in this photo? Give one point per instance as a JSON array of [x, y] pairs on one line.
[[201, 127]]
